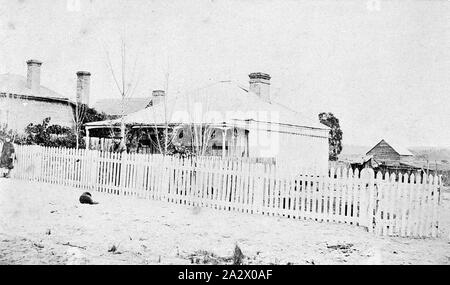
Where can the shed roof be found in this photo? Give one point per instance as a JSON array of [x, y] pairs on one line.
[[221, 102], [401, 150]]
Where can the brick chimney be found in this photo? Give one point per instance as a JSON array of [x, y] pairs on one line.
[[83, 87], [157, 96], [260, 84], [34, 76]]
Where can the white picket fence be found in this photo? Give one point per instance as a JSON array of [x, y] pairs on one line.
[[406, 206]]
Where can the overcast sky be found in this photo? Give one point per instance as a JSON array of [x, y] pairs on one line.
[[382, 67]]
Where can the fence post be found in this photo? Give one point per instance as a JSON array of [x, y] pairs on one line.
[[363, 202], [122, 172], [437, 184]]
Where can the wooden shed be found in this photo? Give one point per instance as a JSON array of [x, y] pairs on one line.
[[388, 153]]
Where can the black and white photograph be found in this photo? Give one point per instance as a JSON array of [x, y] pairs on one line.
[[225, 132]]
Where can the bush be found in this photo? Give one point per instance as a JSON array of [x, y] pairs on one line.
[[45, 134], [48, 135]]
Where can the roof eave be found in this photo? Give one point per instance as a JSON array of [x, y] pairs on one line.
[[39, 98]]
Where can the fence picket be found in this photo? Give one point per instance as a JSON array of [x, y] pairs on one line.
[[415, 206], [391, 204], [356, 198], [421, 195], [403, 182], [313, 204], [426, 207], [109, 166], [436, 197], [339, 194], [332, 183], [377, 203], [397, 205]]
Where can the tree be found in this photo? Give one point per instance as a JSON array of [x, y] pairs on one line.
[[78, 120], [163, 139], [200, 131], [83, 114], [335, 140], [166, 137], [125, 84], [92, 115], [201, 135]]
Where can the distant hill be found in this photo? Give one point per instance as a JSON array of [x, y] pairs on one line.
[[441, 155]]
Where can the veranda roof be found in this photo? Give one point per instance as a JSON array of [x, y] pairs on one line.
[[218, 103]]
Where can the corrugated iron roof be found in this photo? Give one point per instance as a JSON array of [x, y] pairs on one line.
[[114, 106], [220, 102]]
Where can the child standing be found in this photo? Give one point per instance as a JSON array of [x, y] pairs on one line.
[[7, 157]]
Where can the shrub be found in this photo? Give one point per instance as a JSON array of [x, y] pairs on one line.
[[45, 134], [48, 135]]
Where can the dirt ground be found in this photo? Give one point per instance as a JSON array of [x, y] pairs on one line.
[[45, 224]]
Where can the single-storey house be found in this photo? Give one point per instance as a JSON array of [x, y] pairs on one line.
[[228, 119]]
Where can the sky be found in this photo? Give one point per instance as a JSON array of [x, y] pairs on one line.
[[381, 66]]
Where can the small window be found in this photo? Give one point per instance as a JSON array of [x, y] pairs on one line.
[[181, 134]]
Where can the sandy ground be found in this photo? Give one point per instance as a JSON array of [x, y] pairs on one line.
[[45, 224]]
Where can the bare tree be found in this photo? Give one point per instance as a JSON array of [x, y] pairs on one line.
[[78, 120], [166, 125], [201, 133], [125, 85], [201, 136], [165, 142], [198, 135]]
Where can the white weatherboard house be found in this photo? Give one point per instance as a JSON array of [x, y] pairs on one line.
[[242, 122]]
